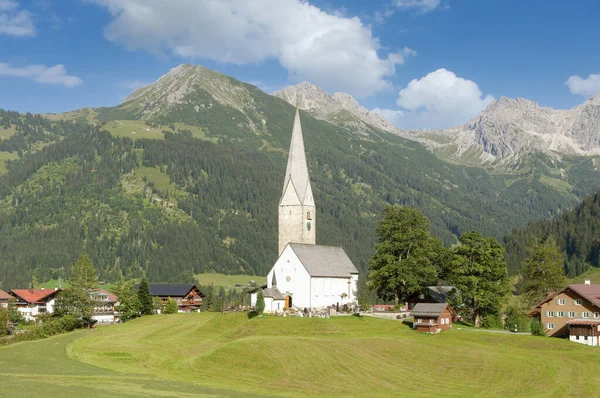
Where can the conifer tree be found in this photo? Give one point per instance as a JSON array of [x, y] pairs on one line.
[[260, 302], [542, 271], [145, 298]]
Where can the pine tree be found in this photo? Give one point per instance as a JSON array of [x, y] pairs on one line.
[[542, 271], [260, 302], [145, 298]]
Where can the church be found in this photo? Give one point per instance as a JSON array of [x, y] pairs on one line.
[[306, 275]]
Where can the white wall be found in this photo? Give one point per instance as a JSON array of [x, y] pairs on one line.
[[30, 312], [328, 291], [591, 341], [298, 285], [104, 318]]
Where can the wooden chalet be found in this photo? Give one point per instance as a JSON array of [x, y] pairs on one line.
[[5, 298], [572, 312], [187, 295], [432, 317]]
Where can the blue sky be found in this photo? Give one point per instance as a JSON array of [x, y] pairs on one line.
[[421, 63]]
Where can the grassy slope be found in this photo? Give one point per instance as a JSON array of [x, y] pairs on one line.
[[300, 356], [227, 281], [4, 156]]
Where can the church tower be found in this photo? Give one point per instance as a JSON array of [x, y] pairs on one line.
[[297, 215]]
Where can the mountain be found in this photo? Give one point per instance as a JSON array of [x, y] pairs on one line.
[[185, 175], [509, 128], [339, 108]]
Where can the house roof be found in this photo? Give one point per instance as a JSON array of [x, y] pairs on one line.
[[439, 293], [170, 289], [586, 322], [274, 293], [33, 295], [4, 295], [589, 292], [429, 309], [111, 297], [326, 261]]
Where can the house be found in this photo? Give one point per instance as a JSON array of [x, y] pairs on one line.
[[5, 298], [305, 275], [187, 295], [432, 317], [34, 302], [104, 306], [572, 312], [433, 294]]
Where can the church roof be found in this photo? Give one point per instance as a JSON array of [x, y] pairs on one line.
[[325, 261], [297, 168], [274, 293]]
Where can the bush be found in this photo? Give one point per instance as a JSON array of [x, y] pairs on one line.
[[260, 302], [171, 307], [516, 317], [536, 328], [252, 314], [492, 322]]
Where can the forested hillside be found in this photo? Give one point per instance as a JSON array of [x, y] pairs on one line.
[[577, 232], [169, 189]]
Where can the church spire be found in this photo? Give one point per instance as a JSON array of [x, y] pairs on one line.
[[297, 168]]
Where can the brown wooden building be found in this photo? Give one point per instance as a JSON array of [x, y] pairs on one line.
[[187, 295], [571, 312], [432, 317]]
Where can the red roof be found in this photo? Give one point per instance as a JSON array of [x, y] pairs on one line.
[[589, 292], [33, 295], [4, 295]]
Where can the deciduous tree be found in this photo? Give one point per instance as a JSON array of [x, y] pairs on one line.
[[542, 271], [171, 307], [407, 258], [479, 276]]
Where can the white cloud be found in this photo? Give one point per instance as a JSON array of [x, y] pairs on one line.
[[42, 74], [439, 100], [337, 52], [14, 21], [423, 6], [587, 87]]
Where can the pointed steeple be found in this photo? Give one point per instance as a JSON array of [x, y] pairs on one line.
[[274, 280], [297, 168]]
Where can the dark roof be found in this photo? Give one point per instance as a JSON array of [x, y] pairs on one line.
[[170, 289], [439, 293], [274, 293], [429, 309], [327, 261]]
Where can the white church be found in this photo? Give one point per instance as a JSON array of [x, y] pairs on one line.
[[306, 275]]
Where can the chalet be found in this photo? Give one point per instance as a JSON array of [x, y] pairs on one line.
[[5, 298], [432, 317], [33, 302], [104, 306], [572, 312], [187, 295]]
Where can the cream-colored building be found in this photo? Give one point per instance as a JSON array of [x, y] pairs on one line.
[[306, 275]]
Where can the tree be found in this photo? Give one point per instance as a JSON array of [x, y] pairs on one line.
[[542, 271], [4, 318], [407, 258], [145, 298], [479, 276], [76, 300], [171, 307], [260, 302], [129, 305]]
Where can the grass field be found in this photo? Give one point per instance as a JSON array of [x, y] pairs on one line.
[[133, 129], [592, 274], [191, 354], [228, 281], [4, 156]]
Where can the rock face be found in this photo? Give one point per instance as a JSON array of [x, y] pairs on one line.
[[510, 127], [339, 108]]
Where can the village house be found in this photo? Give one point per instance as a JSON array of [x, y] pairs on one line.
[[34, 302], [572, 312], [432, 317], [5, 298], [104, 306], [306, 275], [187, 295]]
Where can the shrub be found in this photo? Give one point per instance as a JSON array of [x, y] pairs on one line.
[[171, 307], [492, 322], [260, 302], [536, 328]]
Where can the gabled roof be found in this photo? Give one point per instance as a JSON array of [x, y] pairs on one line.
[[589, 292], [33, 295], [274, 293], [111, 297], [170, 289], [324, 261], [429, 309], [4, 295]]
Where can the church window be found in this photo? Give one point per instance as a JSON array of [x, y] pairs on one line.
[[308, 217], [290, 212]]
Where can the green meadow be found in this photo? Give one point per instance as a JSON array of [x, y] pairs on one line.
[[4, 156], [212, 354], [228, 281]]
